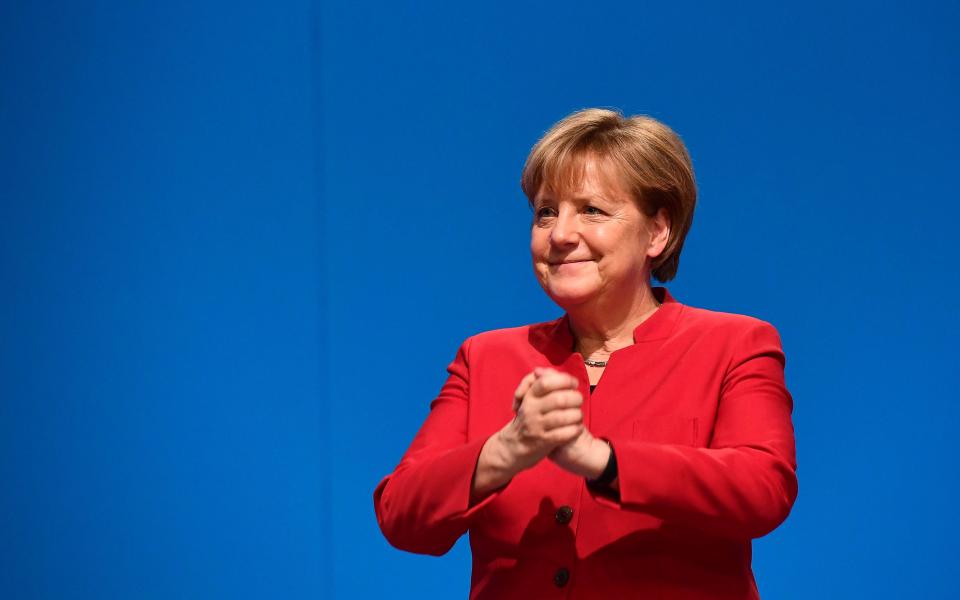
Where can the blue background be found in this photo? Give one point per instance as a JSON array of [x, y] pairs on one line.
[[240, 242]]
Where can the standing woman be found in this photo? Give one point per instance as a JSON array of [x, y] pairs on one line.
[[631, 448]]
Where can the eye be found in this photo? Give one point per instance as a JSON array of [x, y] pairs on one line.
[[545, 212], [592, 210]]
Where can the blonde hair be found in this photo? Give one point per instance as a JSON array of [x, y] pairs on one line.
[[649, 157]]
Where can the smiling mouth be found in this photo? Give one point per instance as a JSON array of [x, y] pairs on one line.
[[570, 262]]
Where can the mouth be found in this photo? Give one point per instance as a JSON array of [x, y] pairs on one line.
[[567, 262]]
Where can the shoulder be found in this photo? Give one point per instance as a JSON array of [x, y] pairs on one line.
[[720, 322], [732, 329], [511, 336], [512, 340]]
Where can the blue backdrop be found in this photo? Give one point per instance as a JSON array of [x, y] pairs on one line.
[[240, 242]]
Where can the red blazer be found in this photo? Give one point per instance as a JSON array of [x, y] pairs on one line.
[[699, 418]]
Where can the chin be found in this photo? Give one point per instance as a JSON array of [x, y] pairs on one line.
[[566, 295]]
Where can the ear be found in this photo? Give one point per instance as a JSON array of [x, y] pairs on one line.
[[659, 228]]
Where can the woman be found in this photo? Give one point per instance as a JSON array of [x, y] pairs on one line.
[[629, 449]]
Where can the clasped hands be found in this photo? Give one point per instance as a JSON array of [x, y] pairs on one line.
[[548, 423]]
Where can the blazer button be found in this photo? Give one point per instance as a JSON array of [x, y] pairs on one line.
[[561, 577], [564, 514]]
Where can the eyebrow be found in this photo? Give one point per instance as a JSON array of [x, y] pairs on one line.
[[594, 197]]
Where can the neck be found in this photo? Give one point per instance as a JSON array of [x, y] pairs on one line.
[[601, 327]]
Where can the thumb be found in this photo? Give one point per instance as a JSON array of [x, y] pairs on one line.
[[525, 384]]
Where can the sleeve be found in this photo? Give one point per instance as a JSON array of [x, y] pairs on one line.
[[424, 505], [744, 485]]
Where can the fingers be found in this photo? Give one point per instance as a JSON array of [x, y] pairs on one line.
[[565, 434], [547, 413], [560, 400], [523, 388], [551, 380], [562, 418]]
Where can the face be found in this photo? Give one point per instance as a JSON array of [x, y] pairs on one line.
[[593, 242]]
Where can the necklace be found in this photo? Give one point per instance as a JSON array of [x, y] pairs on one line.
[[603, 363]]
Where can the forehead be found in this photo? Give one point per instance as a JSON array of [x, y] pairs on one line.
[[583, 174]]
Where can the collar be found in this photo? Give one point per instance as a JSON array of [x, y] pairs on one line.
[[555, 340]]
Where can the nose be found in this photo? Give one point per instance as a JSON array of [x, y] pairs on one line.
[[566, 229]]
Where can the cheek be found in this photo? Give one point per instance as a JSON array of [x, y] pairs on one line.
[[622, 246], [539, 242], [613, 240], [536, 255]]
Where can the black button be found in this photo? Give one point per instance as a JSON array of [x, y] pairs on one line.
[[564, 514], [561, 577]]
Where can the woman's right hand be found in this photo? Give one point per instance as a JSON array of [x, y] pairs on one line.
[[548, 414], [547, 406]]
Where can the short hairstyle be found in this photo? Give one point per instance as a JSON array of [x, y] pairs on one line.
[[649, 157]]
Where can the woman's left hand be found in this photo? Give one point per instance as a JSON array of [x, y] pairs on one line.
[[585, 456]]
